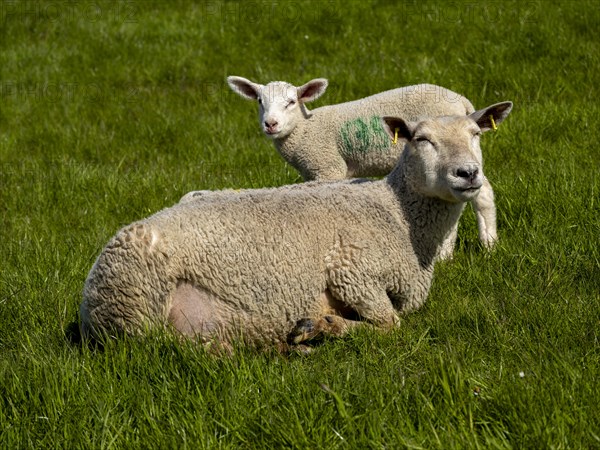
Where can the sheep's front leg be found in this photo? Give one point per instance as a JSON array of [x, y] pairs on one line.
[[345, 308], [311, 329], [351, 281], [485, 209], [372, 305], [375, 309]]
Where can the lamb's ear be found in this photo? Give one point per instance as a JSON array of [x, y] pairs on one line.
[[244, 87], [312, 90], [396, 128], [497, 112]]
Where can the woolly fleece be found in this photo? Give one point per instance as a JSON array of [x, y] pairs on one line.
[[249, 265]]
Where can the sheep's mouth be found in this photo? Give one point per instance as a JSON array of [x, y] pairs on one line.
[[467, 186], [467, 189], [272, 133], [466, 193]]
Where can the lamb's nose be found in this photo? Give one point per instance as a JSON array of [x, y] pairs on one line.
[[270, 123]]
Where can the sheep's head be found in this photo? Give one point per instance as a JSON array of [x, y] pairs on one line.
[[442, 157], [280, 104]]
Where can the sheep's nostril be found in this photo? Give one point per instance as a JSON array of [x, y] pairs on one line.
[[462, 173], [468, 173]]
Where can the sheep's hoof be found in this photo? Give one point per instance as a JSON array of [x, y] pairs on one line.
[[309, 329], [303, 331]]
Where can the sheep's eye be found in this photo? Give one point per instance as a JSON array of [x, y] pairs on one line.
[[291, 103], [259, 101], [423, 139]]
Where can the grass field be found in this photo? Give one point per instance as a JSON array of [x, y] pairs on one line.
[[110, 111]]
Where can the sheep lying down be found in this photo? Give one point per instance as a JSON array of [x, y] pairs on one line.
[[277, 266]]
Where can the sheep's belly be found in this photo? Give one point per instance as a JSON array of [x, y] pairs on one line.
[[198, 313], [195, 311]]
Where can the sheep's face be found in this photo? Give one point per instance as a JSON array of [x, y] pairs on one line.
[[279, 109], [445, 159], [280, 104], [443, 156]]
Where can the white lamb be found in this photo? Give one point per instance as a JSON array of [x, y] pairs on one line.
[[347, 140], [273, 266]]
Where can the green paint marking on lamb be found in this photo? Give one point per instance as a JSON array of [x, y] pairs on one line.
[[359, 136]]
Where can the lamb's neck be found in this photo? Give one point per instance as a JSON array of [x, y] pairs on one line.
[[288, 146], [282, 143], [430, 220]]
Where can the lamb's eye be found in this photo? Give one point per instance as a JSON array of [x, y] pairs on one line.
[[423, 139], [291, 103]]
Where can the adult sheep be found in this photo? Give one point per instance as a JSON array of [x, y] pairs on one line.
[[347, 140], [267, 265]]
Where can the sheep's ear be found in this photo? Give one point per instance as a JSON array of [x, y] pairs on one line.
[[396, 128], [488, 118], [312, 90], [244, 87]]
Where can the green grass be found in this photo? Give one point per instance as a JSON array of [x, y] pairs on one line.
[[112, 111]]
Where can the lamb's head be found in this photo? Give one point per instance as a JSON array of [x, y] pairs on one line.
[[280, 104], [442, 156]]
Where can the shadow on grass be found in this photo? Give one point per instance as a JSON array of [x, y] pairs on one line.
[[73, 333]]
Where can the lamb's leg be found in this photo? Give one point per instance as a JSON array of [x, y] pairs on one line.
[[485, 209], [447, 250]]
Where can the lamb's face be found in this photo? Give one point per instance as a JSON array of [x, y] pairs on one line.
[[281, 104], [278, 109], [445, 159]]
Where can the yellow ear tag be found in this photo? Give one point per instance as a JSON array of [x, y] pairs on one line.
[[494, 127], [395, 141]]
